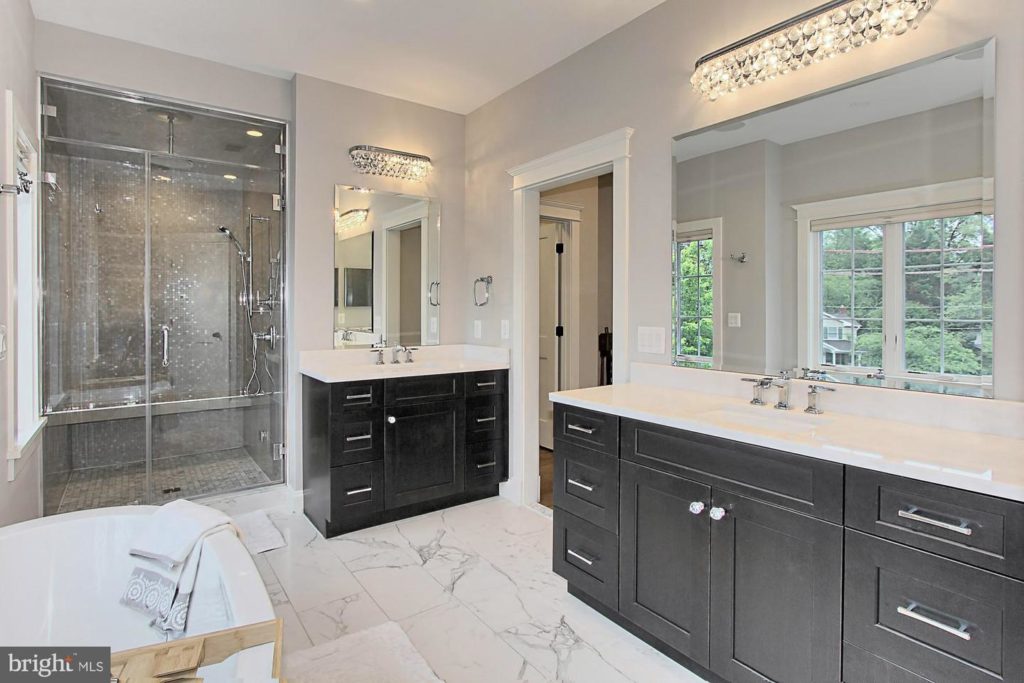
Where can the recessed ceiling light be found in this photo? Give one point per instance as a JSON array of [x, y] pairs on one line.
[[254, 133], [230, 177]]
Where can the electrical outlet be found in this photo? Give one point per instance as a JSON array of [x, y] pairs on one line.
[[734, 320], [478, 329], [506, 329], [650, 339]]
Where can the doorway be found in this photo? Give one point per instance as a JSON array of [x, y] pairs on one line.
[[404, 266], [574, 302]]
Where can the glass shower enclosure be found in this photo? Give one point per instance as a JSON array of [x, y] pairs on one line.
[[162, 279]]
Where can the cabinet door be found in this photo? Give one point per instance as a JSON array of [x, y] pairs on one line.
[[424, 452], [776, 593], [663, 558]]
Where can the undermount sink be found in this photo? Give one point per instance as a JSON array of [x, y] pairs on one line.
[[767, 418]]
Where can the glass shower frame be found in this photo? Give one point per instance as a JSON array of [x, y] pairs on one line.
[[150, 406]]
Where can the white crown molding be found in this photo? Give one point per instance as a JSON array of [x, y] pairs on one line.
[[590, 154]]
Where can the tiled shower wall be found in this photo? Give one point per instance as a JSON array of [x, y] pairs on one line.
[[94, 322]]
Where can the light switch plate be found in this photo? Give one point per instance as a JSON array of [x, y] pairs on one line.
[[650, 339], [506, 329], [734, 320], [478, 329]]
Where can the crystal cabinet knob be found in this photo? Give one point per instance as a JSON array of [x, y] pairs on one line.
[[392, 419], [717, 514], [696, 507]]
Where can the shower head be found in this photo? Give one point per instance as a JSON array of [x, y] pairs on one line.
[[238, 245]]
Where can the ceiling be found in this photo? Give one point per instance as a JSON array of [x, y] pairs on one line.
[[451, 54]]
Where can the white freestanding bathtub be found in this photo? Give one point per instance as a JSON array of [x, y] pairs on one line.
[[61, 579]]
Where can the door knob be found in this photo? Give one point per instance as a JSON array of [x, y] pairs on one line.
[[696, 507], [392, 419], [717, 513]]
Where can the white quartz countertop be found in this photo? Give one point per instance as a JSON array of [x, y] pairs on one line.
[[978, 462], [350, 365]]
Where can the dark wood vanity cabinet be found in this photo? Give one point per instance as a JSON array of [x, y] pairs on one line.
[[379, 450], [760, 565]]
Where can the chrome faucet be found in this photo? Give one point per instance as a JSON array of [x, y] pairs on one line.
[[395, 350], [380, 355], [760, 384], [812, 399], [782, 384], [408, 353]]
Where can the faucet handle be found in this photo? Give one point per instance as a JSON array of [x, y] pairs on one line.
[[815, 388]]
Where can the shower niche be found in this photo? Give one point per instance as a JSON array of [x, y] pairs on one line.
[[162, 307]]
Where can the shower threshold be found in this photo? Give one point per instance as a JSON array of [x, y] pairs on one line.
[[183, 476]]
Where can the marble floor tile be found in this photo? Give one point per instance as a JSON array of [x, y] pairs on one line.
[[341, 617], [402, 591], [460, 648], [295, 638], [472, 587], [310, 573]]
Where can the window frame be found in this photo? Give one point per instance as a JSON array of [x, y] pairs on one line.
[[688, 231], [844, 212]]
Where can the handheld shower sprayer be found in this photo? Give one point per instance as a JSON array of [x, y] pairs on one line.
[[238, 245]]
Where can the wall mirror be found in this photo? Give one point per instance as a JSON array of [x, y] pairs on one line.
[[848, 236], [387, 284]]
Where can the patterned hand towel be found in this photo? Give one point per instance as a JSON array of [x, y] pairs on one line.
[[160, 586]]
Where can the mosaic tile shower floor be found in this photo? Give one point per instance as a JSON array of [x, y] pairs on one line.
[[191, 475]]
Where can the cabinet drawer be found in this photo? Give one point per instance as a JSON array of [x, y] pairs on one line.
[[357, 395], [484, 463], [597, 431], [486, 418], [423, 389], [980, 530], [356, 490], [586, 556], [357, 436], [586, 484], [487, 383], [799, 483], [937, 618]]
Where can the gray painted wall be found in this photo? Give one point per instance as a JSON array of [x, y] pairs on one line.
[[19, 500]]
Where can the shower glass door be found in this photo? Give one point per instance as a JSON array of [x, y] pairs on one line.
[[162, 300]]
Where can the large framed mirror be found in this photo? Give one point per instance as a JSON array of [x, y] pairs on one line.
[[387, 285], [846, 237]]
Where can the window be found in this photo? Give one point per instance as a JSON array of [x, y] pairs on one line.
[[696, 294], [906, 290]]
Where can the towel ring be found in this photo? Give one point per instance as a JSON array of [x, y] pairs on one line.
[[486, 280]]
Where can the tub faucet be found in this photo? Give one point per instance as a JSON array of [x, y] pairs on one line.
[[782, 384]]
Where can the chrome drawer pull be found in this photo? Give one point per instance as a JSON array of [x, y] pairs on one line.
[[486, 419], [583, 486], [580, 557], [361, 437], [580, 428], [485, 465], [481, 385], [915, 515], [355, 491], [355, 396], [909, 611]]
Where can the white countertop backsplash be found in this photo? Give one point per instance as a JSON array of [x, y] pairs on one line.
[[348, 365], [968, 443]]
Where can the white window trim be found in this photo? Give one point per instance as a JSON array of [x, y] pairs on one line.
[[24, 422], [809, 270], [714, 226]]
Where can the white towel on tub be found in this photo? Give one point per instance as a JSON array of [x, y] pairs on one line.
[[173, 529], [161, 586]]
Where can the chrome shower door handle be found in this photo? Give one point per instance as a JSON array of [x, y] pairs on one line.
[[165, 333], [434, 294]]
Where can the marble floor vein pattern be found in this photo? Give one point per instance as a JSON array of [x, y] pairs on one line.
[[471, 586]]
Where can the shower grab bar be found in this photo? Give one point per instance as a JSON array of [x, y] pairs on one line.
[[165, 333]]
